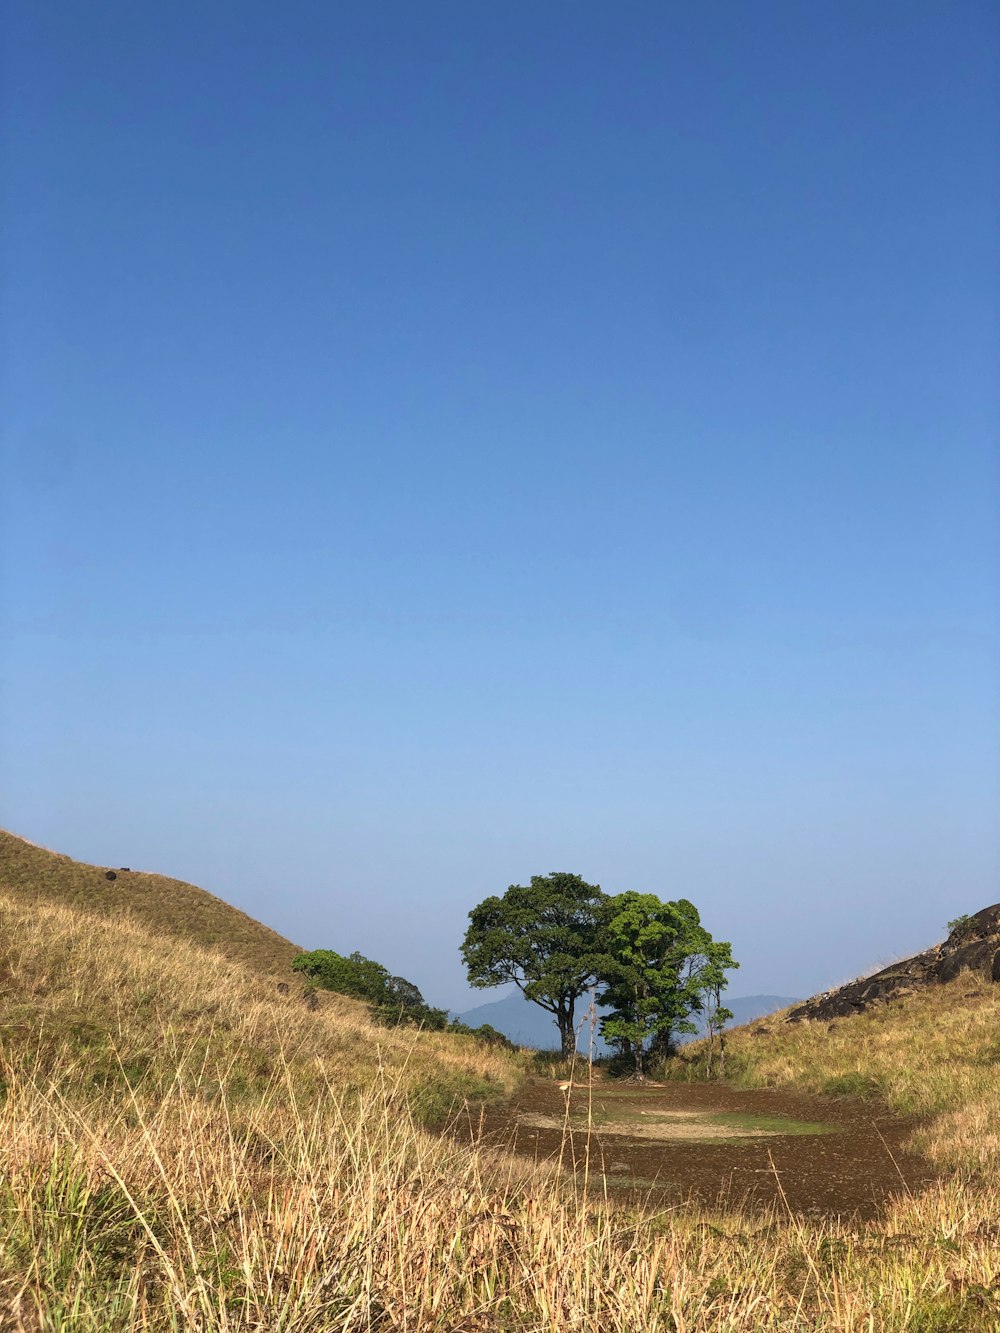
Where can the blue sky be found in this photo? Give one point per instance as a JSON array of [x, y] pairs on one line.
[[446, 443]]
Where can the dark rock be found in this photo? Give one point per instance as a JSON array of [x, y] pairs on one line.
[[975, 955], [282, 987], [760, 1032], [979, 927], [110, 874], [311, 999], [126, 869], [973, 946]]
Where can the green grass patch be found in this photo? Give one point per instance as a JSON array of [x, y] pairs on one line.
[[772, 1124]]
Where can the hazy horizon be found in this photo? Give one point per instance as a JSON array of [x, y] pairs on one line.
[[447, 444]]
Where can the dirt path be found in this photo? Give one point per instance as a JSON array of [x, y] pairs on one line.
[[664, 1143]]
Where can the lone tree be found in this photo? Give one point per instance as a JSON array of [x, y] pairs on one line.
[[545, 938], [659, 966]]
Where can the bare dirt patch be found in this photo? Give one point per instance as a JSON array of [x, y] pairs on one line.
[[661, 1144], [672, 1127]]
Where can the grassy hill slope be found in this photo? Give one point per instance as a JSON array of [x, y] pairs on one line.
[[175, 1132], [934, 1052], [184, 1146], [122, 1013], [168, 907]]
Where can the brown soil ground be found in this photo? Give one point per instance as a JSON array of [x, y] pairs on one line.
[[660, 1144]]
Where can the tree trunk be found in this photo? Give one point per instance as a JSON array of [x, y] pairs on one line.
[[567, 1031]]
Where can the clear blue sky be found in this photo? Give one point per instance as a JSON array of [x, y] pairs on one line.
[[448, 442]]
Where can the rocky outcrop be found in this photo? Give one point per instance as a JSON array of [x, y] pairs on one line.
[[973, 945]]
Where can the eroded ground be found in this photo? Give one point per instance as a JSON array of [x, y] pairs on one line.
[[662, 1144]]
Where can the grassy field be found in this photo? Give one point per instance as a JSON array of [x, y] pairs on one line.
[[184, 1147], [935, 1053], [169, 907]]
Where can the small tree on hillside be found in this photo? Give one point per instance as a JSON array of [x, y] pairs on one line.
[[712, 968], [394, 1000], [544, 937], [353, 975], [404, 993]]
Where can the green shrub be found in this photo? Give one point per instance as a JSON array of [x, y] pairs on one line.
[[490, 1036], [417, 1015], [395, 1001], [354, 975]]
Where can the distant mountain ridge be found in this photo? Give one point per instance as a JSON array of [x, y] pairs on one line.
[[168, 906], [527, 1024]]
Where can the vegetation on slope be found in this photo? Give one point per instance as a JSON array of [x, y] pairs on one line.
[[107, 1010], [933, 1053], [183, 1147], [392, 1000], [169, 907]]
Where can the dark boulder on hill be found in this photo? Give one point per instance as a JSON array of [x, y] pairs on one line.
[[972, 946]]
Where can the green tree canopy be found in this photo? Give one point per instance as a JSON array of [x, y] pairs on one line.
[[711, 968], [545, 938], [353, 975], [394, 1000], [659, 964]]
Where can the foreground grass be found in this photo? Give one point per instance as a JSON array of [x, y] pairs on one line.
[[344, 1214], [935, 1053], [181, 1147]]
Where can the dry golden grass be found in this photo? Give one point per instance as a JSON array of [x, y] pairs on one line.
[[352, 1219], [934, 1053], [169, 907], [184, 1148], [98, 1009]]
